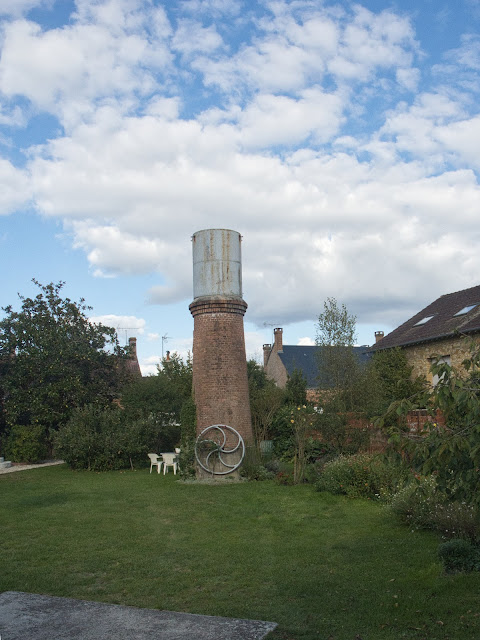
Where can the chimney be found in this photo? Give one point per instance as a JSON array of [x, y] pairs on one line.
[[278, 333], [378, 336], [266, 352], [132, 365], [132, 346], [168, 356], [219, 368]]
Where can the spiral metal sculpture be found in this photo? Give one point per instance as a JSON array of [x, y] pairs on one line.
[[211, 451]]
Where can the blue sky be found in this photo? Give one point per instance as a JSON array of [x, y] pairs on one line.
[[341, 140]]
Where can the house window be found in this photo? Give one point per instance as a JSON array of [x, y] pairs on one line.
[[423, 320], [442, 360], [465, 310]]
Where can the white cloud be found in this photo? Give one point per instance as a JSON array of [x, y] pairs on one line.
[[252, 341], [110, 250], [213, 7], [462, 138], [15, 187], [126, 326], [296, 52], [408, 78], [149, 366], [62, 70], [276, 120], [306, 342], [16, 8], [341, 182], [192, 37]]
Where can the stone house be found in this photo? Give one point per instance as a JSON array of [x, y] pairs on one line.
[[280, 361], [440, 330]]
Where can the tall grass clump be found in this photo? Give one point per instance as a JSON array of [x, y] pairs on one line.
[[362, 476], [422, 505]]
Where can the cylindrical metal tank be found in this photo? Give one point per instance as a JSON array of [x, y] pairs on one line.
[[217, 263]]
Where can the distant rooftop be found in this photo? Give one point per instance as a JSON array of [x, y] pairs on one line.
[[307, 358], [457, 312]]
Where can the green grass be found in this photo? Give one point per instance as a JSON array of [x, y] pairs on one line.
[[320, 566]]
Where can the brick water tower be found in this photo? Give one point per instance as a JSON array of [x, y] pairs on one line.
[[220, 382]]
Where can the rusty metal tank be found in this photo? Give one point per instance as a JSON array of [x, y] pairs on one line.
[[217, 263]]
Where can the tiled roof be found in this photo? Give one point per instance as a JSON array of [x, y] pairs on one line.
[[306, 359], [441, 323]]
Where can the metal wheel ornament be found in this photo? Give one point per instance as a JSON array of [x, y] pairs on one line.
[[211, 452]]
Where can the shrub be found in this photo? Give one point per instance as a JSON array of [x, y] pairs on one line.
[[451, 450], [284, 477], [282, 434], [27, 443], [252, 466], [361, 476], [103, 439], [339, 431], [459, 555], [188, 429], [421, 505], [416, 502], [317, 451]]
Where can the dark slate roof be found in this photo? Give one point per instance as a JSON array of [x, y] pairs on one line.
[[306, 359], [443, 324]]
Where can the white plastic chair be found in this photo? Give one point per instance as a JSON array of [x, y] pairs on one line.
[[155, 461], [169, 460]]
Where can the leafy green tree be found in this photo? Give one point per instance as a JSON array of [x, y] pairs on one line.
[[450, 451], [388, 377], [265, 400], [338, 365], [296, 388], [162, 395], [53, 360], [339, 369], [257, 378], [335, 327]]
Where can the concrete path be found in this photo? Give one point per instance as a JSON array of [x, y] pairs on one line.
[[28, 615], [22, 467]]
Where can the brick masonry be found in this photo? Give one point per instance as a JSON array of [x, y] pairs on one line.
[[274, 367], [220, 381]]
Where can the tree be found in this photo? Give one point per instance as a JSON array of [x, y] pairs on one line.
[[388, 377], [296, 388], [53, 360], [338, 366], [265, 400], [335, 327], [450, 451], [162, 395]]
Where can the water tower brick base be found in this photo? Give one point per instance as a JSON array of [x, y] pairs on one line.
[[220, 379]]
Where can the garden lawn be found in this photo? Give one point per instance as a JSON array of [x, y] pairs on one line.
[[320, 566]]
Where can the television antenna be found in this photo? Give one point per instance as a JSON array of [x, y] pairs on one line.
[[270, 324], [126, 329]]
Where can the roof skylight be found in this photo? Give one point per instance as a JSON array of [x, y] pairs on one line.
[[423, 321], [465, 310]]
